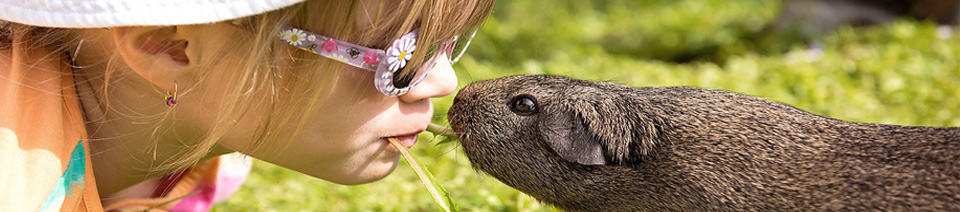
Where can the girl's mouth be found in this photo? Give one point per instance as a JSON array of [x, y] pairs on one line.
[[407, 140]]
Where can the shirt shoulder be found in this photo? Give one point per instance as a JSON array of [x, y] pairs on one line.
[[42, 148]]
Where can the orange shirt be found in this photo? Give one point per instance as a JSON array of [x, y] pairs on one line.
[[44, 152], [40, 126]]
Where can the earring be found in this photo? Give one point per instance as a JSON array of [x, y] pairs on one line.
[[171, 100]]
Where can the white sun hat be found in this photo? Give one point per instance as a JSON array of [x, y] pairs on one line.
[[108, 13]]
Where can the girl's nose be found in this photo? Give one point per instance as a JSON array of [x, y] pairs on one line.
[[440, 81]]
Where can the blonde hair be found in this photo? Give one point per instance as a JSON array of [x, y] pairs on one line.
[[283, 83]]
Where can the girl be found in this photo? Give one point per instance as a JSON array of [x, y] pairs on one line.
[[115, 105]]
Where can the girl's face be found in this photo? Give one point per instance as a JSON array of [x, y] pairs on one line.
[[343, 136]]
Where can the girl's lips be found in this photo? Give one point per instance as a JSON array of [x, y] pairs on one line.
[[406, 140]]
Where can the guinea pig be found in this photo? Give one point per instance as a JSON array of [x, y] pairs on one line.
[[599, 146]]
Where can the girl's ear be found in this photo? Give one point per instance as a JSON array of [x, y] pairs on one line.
[[159, 54]]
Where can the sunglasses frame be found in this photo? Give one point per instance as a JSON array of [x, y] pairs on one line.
[[378, 61]]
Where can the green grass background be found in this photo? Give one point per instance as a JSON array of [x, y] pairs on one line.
[[905, 72]]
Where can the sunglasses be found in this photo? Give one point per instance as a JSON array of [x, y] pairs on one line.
[[383, 62]]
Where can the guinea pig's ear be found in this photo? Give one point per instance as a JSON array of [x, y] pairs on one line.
[[625, 134], [569, 138]]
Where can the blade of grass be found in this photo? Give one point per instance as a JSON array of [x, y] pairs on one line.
[[440, 195], [445, 134], [440, 130]]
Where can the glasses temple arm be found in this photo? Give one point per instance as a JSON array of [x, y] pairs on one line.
[[352, 54]]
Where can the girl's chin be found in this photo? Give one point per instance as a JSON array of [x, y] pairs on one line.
[[384, 169], [373, 171]]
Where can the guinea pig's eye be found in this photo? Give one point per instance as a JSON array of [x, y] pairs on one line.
[[523, 105]]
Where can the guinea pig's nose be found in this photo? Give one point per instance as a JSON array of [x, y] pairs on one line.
[[467, 94], [459, 111]]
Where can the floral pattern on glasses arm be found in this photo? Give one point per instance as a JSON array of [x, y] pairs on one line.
[[396, 55], [383, 63]]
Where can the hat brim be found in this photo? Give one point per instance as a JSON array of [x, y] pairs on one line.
[[110, 13]]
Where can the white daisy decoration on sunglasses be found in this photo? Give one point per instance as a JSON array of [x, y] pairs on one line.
[[293, 36], [400, 51]]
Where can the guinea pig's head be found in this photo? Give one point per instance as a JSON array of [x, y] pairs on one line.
[[523, 126]]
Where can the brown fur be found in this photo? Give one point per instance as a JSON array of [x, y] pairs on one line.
[[683, 149]]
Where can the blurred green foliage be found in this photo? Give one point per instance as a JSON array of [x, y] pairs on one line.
[[905, 72], [653, 29]]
